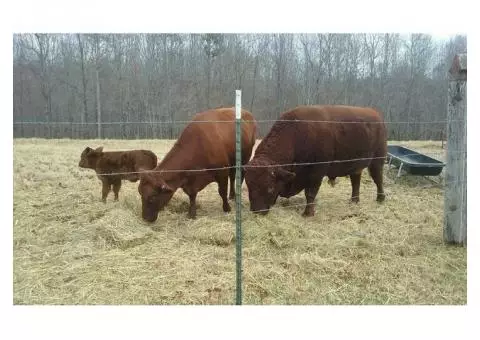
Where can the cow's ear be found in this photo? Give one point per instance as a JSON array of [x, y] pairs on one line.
[[87, 151], [99, 149], [164, 187], [284, 175], [159, 184]]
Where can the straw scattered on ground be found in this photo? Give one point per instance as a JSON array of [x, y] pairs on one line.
[[70, 248]]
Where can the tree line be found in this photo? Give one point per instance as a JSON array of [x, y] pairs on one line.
[[148, 85]]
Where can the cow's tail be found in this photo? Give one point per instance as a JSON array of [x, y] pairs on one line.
[[254, 132]]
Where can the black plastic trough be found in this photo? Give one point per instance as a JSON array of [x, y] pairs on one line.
[[413, 162]]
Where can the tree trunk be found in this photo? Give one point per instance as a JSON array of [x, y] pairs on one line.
[[254, 81], [209, 75], [99, 110], [169, 114], [84, 80]]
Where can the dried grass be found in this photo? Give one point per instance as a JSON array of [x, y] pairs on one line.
[[70, 248]]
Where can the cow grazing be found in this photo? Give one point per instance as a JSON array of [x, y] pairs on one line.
[[202, 145], [116, 162], [312, 134]]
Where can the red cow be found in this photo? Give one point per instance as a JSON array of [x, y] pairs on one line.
[[343, 139], [202, 145]]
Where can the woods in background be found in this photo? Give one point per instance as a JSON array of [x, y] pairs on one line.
[[157, 79]]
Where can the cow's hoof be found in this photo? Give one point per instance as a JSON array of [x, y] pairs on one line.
[[308, 214]]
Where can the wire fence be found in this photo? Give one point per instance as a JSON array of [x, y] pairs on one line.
[[172, 129], [172, 133], [260, 166], [233, 121], [246, 166], [48, 125], [396, 130], [319, 201]]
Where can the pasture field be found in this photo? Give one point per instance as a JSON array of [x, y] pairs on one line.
[[70, 248]]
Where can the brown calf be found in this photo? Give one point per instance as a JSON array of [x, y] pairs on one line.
[[105, 163]]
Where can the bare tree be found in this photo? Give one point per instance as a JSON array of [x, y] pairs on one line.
[[213, 46], [84, 116], [168, 77], [372, 52], [260, 45], [97, 42], [41, 45]]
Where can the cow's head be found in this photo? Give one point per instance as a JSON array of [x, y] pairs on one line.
[[265, 181], [156, 193], [89, 157]]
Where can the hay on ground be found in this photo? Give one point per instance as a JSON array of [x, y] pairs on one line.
[[70, 248]]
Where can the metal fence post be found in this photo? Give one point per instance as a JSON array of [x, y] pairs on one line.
[[238, 195]]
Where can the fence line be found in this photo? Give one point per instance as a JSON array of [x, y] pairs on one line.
[[161, 156], [254, 166], [233, 121], [260, 166], [243, 166], [270, 165], [400, 130]]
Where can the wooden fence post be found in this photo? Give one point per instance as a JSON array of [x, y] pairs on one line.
[[455, 209]]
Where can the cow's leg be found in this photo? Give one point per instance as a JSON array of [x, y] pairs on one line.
[[231, 174], [116, 185], [105, 189], [355, 180], [222, 180], [242, 176], [233, 177], [376, 172], [192, 210], [310, 194]]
